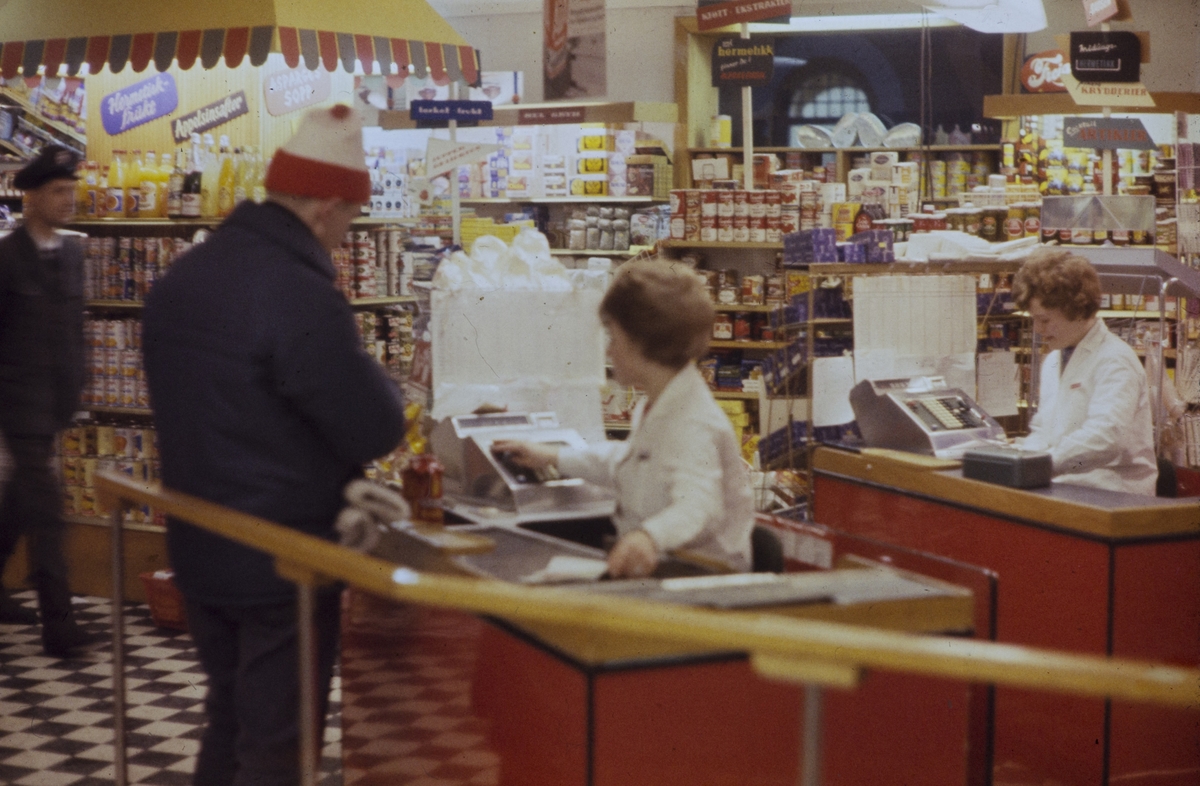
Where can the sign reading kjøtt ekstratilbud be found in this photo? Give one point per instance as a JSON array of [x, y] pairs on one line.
[[208, 117], [711, 14], [139, 103]]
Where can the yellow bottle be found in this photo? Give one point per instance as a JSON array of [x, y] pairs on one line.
[[225, 180], [148, 186], [210, 172], [165, 167], [133, 185], [242, 170], [115, 204], [258, 191]]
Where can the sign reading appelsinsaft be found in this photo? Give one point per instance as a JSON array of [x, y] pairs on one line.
[[209, 117], [710, 15]]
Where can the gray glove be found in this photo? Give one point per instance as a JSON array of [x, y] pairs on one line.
[[372, 506]]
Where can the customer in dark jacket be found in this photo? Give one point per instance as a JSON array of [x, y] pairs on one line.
[[265, 401], [41, 376]]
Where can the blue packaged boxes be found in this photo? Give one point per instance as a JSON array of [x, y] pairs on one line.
[[878, 244], [809, 246]]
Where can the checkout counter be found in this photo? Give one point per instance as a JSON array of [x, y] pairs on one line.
[[540, 704], [1079, 569]]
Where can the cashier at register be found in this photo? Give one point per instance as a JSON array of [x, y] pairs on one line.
[[1094, 405], [680, 480]]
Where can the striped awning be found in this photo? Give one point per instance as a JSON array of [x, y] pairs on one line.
[[442, 62]]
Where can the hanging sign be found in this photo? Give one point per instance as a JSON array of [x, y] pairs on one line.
[[296, 88], [711, 14], [1106, 133], [139, 103], [1107, 93], [550, 116], [1043, 72], [1098, 11], [442, 156], [743, 62], [209, 117], [429, 114], [1106, 56], [574, 49]]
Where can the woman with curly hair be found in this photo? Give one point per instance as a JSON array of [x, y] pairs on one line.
[[1093, 412], [680, 480]]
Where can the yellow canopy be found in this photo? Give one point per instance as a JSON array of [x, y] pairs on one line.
[[320, 32]]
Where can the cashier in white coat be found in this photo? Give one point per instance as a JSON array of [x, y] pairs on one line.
[[1093, 412], [680, 481]]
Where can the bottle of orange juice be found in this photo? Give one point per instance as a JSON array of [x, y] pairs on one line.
[[117, 171], [93, 199], [165, 167], [148, 186], [133, 184]]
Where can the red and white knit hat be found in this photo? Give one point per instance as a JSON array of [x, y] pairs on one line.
[[323, 159]]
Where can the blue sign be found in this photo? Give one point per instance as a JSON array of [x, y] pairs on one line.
[[139, 103], [441, 112]]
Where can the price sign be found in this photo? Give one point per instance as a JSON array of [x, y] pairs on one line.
[[1106, 133], [743, 62]]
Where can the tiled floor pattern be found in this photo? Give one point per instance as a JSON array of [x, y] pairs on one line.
[[406, 692], [56, 725]]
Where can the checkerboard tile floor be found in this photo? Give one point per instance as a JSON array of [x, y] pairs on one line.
[[56, 724], [407, 718]]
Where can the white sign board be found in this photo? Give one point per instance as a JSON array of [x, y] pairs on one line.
[[442, 156], [1107, 93]]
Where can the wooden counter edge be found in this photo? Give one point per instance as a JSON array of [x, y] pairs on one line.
[[906, 472]]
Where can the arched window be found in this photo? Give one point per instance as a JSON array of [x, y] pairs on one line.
[[825, 97]]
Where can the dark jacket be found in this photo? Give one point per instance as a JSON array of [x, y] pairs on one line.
[[263, 396], [41, 335]]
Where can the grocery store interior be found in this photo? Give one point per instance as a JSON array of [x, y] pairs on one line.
[[855, 187]]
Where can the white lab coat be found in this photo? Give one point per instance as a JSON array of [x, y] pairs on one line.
[[1095, 418], [679, 476]]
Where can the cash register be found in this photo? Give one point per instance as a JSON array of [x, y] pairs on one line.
[[482, 486], [922, 415]]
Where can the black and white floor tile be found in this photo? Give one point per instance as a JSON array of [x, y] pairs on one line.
[[56, 722]]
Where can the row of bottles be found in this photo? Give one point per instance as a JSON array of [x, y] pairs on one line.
[[205, 181]]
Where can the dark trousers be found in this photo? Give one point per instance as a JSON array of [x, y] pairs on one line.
[[31, 506], [253, 704]]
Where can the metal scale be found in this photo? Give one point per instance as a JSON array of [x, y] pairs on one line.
[[483, 487]]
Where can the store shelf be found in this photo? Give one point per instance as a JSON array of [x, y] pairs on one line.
[[735, 395], [993, 147], [727, 307], [145, 222], [19, 100], [913, 268], [370, 302], [629, 252], [1017, 105], [115, 305], [765, 345], [131, 411], [616, 426], [611, 200], [730, 246], [6, 145], [102, 521], [581, 112]]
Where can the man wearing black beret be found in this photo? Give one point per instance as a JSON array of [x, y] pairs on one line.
[[41, 376]]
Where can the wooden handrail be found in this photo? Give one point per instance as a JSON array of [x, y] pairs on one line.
[[782, 647]]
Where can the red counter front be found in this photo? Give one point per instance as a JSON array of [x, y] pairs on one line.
[[454, 698], [1082, 570]]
